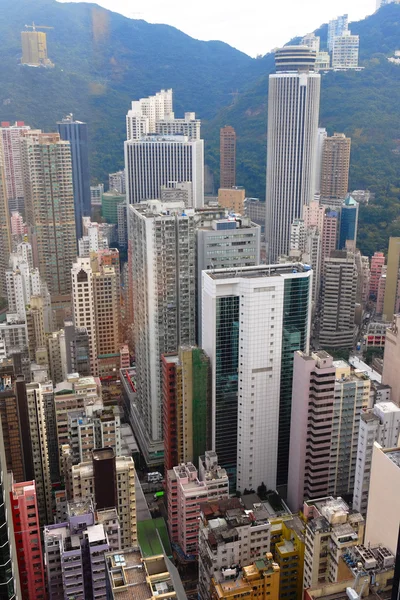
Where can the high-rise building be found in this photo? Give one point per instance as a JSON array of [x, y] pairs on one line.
[[312, 41], [348, 225], [77, 350], [156, 160], [390, 375], [377, 262], [9, 571], [321, 136], [392, 276], [233, 199], [49, 204], [186, 490], [345, 51], [35, 397], [170, 125], [383, 517], [380, 424], [224, 243], [25, 514], [116, 182], [75, 132], [186, 402], [164, 303], [11, 161], [335, 167], [229, 535], [332, 529], [109, 205], [96, 192], [257, 317], [339, 290], [11, 437], [144, 114], [329, 235], [97, 309], [34, 48], [5, 233], [293, 110], [227, 157], [328, 400], [88, 481], [336, 27]]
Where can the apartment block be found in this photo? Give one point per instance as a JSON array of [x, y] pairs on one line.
[[186, 490], [288, 552], [336, 27], [392, 277], [233, 199], [10, 424], [5, 234], [88, 481], [345, 51], [116, 181], [144, 113], [380, 424], [186, 403], [377, 263], [331, 530], [229, 535], [74, 555], [335, 166], [27, 540], [259, 580], [10, 138], [50, 207]]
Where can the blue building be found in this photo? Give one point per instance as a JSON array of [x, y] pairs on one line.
[[348, 222], [76, 133]]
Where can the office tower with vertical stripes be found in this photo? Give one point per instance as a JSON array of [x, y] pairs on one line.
[[293, 111], [227, 157]]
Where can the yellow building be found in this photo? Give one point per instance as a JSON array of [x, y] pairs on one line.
[[34, 48], [232, 199], [287, 545], [259, 581], [392, 276]]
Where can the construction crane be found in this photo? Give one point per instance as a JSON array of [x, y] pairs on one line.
[[34, 27]]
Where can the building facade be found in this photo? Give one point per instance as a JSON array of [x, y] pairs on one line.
[[293, 110], [227, 157], [390, 375], [335, 166], [256, 318]]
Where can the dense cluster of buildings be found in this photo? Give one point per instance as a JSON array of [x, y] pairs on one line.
[[209, 338]]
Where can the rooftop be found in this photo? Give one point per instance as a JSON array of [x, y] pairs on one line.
[[394, 455], [96, 533], [259, 271]]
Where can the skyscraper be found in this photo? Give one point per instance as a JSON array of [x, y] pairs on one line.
[[144, 113], [377, 263], [345, 51], [339, 301], [49, 203], [28, 541], [256, 318], [335, 167], [156, 160], [75, 132], [348, 225], [227, 157], [12, 162], [5, 234], [293, 110], [390, 375]]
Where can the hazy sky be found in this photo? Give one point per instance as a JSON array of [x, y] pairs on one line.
[[253, 26]]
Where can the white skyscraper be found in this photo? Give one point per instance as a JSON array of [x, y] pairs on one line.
[[256, 318], [154, 161], [293, 110], [382, 425], [83, 303], [345, 51]]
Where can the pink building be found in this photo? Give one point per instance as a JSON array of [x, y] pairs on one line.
[[311, 431], [313, 215], [186, 490], [329, 234], [27, 540], [377, 263], [17, 223]]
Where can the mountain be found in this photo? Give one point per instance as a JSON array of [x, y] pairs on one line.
[[102, 62], [363, 105]]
